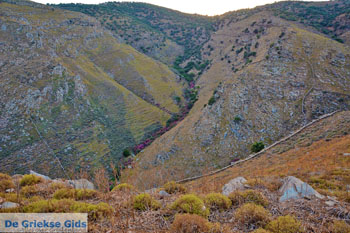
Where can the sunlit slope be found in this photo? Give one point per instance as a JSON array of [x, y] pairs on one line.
[[68, 81], [267, 78]]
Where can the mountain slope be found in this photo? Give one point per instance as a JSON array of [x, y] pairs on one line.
[[267, 78], [67, 80], [318, 155]]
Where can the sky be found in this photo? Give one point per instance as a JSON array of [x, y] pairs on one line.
[[203, 7]]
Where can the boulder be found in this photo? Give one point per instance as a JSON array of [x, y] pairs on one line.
[[8, 204], [39, 175], [162, 193], [81, 184], [233, 185], [293, 188]]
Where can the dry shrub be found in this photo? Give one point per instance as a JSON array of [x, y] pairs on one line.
[[144, 202], [190, 204], [285, 224], [251, 214], [261, 230], [5, 182], [240, 197], [30, 180], [340, 227], [216, 201], [190, 223], [29, 191], [123, 187], [271, 183], [173, 187], [101, 180]]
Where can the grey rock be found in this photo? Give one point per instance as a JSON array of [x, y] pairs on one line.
[[81, 184], [293, 188], [39, 175], [163, 193], [234, 185], [8, 204]]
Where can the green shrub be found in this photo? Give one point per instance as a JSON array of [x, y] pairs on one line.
[[30, 180], [190, 204], [5, 182], [123, 187], [340, 227], [126, 153], [251, 214], [76, 194], [173, 187], [54, 186], [69, 206], [190, 223], [257, 146], [84, 194], [212, 100], [144, 201], [285, 224], [240, 197], [217, 201]]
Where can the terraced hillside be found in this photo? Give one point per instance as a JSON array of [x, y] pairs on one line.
[[69, 89], [267, 78]]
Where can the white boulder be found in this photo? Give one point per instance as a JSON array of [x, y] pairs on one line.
[[233, 185]]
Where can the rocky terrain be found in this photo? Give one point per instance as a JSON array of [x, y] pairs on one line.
[[260, 195], [146, 95], [266, 78]]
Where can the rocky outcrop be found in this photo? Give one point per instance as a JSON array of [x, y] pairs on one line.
[[234, 185], [40, 175], [293, 188]]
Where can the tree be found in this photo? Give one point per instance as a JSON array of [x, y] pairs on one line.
[[257, 146]]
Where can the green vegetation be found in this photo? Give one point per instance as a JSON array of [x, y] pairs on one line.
[[248, 196], [217, 201], [285, 224], [123, 187], [144, 202], [257, 146], [190, 204], [95, 211], [126, 153], [77, 194], [30, 180]]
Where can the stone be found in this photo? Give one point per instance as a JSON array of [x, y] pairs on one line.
[[39, 175], [10, 190], [162, 193], [293, 188], [81, 184], [330, 203], [8, 204], [233, 185]]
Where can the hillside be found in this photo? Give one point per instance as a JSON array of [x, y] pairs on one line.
[[318, 155], [267, 77], [170, 36], [71, 92]]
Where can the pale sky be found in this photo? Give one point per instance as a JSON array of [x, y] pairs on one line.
[[203, 7]]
